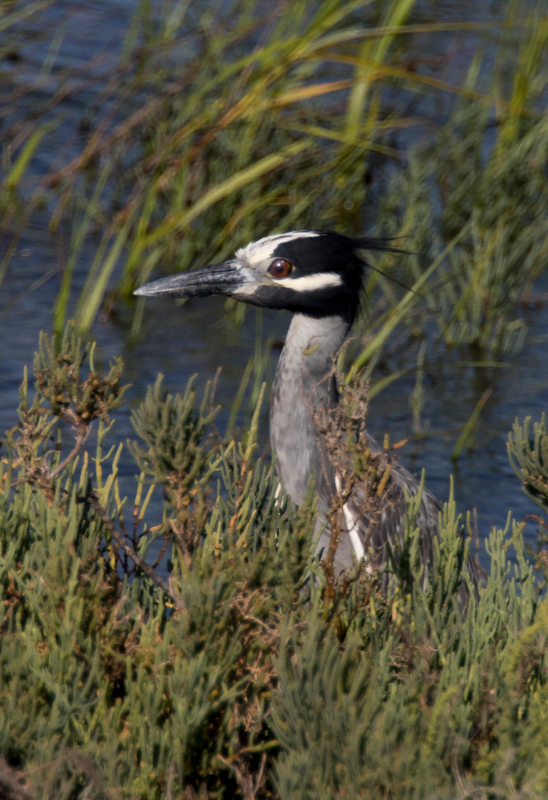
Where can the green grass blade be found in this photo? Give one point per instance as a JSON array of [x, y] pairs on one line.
[[24, 13], [382, 383], [238, 400], [377, 50], [401, 309], [94, 299], [20, 166], [467, 434], [232, 184]]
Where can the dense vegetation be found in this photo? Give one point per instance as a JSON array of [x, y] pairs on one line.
[[201, 652], [228, 663]]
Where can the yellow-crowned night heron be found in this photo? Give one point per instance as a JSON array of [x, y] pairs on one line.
[[318, 275]]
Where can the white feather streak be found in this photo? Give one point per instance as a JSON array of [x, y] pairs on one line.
[[264, 248], [352, 526]]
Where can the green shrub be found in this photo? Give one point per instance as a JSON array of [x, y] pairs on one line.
[[194, 657]]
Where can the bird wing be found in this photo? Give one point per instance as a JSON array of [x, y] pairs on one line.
[[373, 528]]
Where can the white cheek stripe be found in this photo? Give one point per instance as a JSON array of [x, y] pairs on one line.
[[352, 527], [308, 283]]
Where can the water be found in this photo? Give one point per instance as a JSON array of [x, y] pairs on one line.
[[198, 338]]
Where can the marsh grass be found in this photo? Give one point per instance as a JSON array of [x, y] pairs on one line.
[[209, 129], [206, 129]]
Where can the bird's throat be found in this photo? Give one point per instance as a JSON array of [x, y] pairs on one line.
[[303, 380]]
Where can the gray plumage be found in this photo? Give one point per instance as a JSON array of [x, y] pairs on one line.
[[318, 276], [304, 383]]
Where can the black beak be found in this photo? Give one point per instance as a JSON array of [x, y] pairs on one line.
[[222, 278]]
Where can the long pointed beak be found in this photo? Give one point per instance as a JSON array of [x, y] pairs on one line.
[[222, 278]]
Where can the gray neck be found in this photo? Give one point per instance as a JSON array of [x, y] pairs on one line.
[[299, 385]]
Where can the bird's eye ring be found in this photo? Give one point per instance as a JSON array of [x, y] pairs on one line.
[[280, 268]]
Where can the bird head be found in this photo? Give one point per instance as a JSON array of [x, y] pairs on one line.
[[317, 273]]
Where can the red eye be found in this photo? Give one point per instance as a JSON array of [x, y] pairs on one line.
[[280, 268]]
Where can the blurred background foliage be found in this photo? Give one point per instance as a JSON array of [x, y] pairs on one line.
[[214, 125]]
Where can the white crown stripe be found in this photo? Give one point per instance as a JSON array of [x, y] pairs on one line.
[[264, 248]]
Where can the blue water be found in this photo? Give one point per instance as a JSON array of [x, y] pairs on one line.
[[200, 337]]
